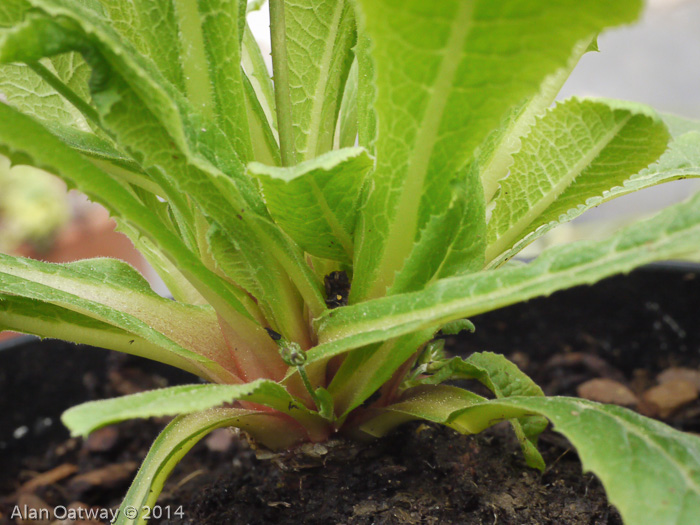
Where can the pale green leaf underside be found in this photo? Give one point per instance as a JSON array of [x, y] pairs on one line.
[[504, 379], [446, 73], [184, 399], [680, 161], [320, 34], [576, 151], [672, 233], [30, 94], [650, 471], [32, 316], [181, 435], [113, 292], [316, 202]]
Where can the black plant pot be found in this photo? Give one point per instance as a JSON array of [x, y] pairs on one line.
[[629, 327]]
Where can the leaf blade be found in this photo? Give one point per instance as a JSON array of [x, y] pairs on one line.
[[320, 35], [650, 471], [672, 233], [577, 150], [114, 293], [316, 202], [85, 418], [680, 161], [431, 65]]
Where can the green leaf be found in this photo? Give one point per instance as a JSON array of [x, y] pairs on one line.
[[576, 151], [451, 243], [264, 143], [25, 90], [364, 371], [316, 202], [504, 379], [25, 141], [347, 124], [366, 92], [496, 153], [650, 471], [460, 325], [151, 28], [325, 402], [680, 161], [13, 11], [255, 5], [85, 418], [182, 434], [432, 62], [274, 291], [32, 88], [429, 402], [31, 316], [672, 233], [184, 153], [256, 69], [113, 292], [186, 399], [211, 34], [319, 38]]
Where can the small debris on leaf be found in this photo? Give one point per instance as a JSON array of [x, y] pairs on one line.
[[273, 335]]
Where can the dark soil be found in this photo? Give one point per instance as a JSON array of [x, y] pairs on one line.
[[626, 329]]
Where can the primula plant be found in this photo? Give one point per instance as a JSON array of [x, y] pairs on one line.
[[318, 229]]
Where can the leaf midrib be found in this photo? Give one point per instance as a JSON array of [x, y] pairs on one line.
[[319, 98], [194, 61], [332, 220], [503, 240], [401, 239]]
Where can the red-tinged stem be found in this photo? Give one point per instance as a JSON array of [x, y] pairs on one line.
[[261, 361]]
